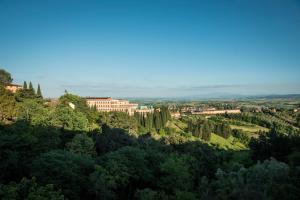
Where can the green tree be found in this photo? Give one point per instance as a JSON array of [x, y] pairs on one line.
[[39, 92], [5, 77], [69, 172], [35, 112], [80, 105], [25, 85], [101, 184], [176, 173], [31, 88], [157, 121], [149, 122], [112, 139], [121, 172], [120, 120], [82, 144], [16, 153], [29, 190], [149, 194], [69, 119], [298, 120], [23, 95], [267, 180], [8, 105]]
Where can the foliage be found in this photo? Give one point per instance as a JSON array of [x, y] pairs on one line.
[[241, 136], [119, 120], [69, 119], [274, 144], [26, 94], [176, 173], [8, 109], [298, 120], [29, 190], [80, 106], [17, 150], [262, 181], [154, 121], [121, 171], [112, 139], [5, 77], [82, 144], [201, 129], [35, 112], [39, 92], [68, 172]]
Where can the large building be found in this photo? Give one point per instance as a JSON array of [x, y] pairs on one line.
[[107, 104], [215, 112], [144, 110], [13, 87]]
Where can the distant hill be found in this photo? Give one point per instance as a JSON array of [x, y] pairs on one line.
[[216, 96]]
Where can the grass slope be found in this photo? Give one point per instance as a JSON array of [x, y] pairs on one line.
[[229, 144], [250, 128]]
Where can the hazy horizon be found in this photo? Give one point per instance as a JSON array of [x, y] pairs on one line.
[[153, 48]]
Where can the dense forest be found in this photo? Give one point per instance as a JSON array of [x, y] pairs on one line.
[[49, 150]]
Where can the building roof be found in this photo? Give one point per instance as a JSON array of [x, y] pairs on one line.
[[99, 98], [12, 84]]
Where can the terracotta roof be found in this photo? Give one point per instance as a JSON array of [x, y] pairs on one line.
[[11, 84], [99, 98]]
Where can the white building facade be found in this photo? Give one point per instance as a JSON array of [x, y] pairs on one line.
[[107, 104]]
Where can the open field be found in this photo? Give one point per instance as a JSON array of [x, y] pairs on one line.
[[250, 128], [228, 144]]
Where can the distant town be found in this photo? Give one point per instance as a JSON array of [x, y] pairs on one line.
[[108, 104]]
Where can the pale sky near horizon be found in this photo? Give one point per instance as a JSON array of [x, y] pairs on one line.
[[152, 48]]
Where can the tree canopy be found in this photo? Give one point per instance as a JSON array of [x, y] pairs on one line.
[[5, 77]]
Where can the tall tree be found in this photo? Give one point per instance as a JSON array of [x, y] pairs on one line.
[[5, 77], [157, 120], [25, 85], [298, 120], [31, 87], [39, 92]]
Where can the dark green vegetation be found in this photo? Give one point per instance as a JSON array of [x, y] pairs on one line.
[[50, 151]]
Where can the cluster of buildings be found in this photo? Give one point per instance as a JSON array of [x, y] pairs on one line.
[[108, 104], [198, 111], [215, 112], [202, 111]]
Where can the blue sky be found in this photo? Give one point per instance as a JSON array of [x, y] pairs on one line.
[[151, 48]]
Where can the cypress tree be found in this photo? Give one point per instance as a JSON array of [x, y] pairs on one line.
[[198, 131], [39, 92], [149, 121], [157, 120], [206, 131], [31, 87], [206, 136], [25, 86], [190, 126], [94, 108], [143, 120]]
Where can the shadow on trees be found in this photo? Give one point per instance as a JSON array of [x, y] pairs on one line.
[[124, 166]]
